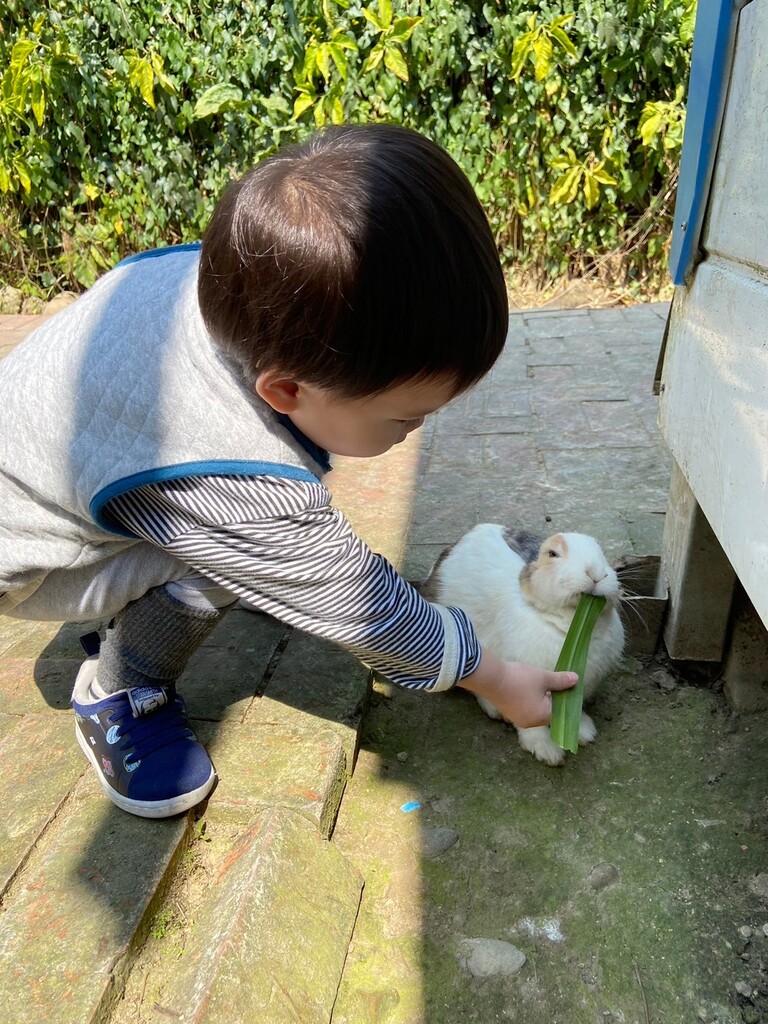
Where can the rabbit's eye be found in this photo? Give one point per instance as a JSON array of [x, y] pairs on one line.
[[553, 554]]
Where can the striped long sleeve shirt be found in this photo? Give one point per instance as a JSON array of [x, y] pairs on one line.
[[281, 545]]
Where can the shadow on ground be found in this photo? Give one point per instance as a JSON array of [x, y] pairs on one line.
[[279, 735], [633, 879], [629, 886]]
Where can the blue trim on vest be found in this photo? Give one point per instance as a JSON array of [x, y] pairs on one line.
[[187, 469], [152, 253], [320, 455]]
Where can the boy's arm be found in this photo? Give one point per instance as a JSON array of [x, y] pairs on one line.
[[281, 545]]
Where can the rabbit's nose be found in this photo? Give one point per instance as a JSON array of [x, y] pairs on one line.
[[596, 575]]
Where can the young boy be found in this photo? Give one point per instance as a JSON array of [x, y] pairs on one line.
[[162, 441]]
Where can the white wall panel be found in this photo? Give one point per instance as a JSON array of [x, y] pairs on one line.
[[737, 226], [714, 409]]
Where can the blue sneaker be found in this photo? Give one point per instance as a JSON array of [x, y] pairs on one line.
[[146, 757]]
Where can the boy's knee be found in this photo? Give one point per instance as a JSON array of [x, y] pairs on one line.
[[150, 641]]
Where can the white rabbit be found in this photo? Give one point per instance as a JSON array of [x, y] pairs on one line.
[[521, 593]]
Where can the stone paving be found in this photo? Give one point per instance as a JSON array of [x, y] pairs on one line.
[[561, 435], [111, 918]]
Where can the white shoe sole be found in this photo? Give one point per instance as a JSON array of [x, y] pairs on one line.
[[148, 809]]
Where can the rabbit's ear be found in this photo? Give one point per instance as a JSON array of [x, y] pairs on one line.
[[523, 543]]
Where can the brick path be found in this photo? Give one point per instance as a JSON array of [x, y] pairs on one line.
[[561, 435]]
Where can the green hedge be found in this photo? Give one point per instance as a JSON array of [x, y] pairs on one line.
[[122, 120]]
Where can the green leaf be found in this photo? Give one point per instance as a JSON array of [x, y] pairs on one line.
[[158, 68], [344, 40], [23, 176], [600, 174], [310, 61], [520, 51], [673, 138], [5, 179], [374, 59], [217, 99], [318, 112], [542, 49], [275, 103], [385, 12], [37, 101], [21, 50], [141, 77], [403, 29], [567, 704], [650, 124], [339, 59], [324, 60], [564, 41], [374, 19], [567, 185], [591, 190], [302, 102], [395, 62]]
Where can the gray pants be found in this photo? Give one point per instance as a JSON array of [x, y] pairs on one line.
[[160, 611]]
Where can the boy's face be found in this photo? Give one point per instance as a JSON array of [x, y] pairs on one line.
[[360, 427]]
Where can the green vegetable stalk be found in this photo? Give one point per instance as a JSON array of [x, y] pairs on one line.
[[566, 704]]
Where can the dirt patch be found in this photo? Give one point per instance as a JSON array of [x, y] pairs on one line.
[[579, 293], [634, 879]]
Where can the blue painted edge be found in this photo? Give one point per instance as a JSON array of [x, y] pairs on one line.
[[186, 469], [710, 70]]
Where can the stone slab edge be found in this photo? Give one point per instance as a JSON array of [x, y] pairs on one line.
[[73, 917], [316, 681], [271, 938], [278, 760]]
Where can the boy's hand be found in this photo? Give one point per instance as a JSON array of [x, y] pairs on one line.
[[520, 692]]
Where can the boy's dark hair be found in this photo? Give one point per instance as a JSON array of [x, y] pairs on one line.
[[355, 261]]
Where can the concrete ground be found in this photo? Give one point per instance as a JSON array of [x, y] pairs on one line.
[[372, 856]]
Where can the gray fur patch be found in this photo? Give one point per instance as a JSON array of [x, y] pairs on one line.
[[524, 543], [430, 587]]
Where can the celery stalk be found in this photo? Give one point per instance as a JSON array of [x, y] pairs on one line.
[[566, 704]]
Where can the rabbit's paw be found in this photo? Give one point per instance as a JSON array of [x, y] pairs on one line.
[[490, 710], [587, 730], [537, 741]]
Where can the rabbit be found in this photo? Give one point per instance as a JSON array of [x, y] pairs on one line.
[[520, 593]]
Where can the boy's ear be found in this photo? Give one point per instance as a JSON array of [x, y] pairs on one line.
[[278, 391]]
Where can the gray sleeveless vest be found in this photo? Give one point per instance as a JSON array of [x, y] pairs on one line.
[[122, 388]]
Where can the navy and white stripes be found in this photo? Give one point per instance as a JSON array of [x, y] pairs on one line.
[[282, 546]]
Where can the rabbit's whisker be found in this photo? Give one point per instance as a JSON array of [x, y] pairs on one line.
[[628, 603]]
